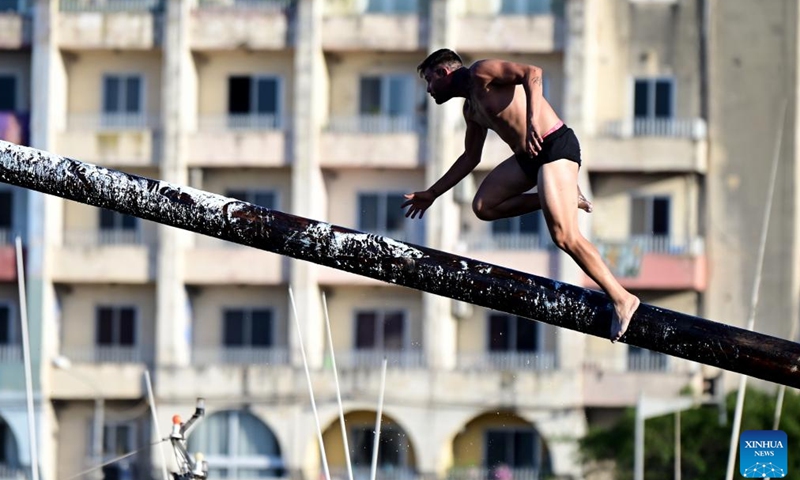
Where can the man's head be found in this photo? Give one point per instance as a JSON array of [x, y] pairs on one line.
[[436, 70]]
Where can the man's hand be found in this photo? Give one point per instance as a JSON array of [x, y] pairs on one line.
[[418, 202], [534, 139]]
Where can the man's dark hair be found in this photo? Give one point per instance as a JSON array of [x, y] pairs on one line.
[[444, 56]]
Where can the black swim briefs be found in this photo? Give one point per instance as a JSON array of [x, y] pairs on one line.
[[561, 144]]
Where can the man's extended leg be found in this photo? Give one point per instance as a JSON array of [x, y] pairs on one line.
[[557, 182], [502, 194]]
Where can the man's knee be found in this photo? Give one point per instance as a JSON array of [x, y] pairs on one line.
[[483, 210], [566, 239]]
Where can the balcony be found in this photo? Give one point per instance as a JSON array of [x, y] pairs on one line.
[[8, 256], [374, 141], [522, 26], [476, 473], [217, 262], [115, 140], [389, 25], [649, 145], [246, 140], [509, 249], [361, 359], [13, 473], [112, 372], [236, 24], [655, 263], [15, 24], [110, 24], [97, 256], [504, 361], [615, 381], [240, 356]]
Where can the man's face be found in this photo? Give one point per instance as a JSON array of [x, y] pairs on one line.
[[438, 80]]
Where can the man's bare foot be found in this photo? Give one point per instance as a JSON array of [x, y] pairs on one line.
[[622, 317], [584, 204]]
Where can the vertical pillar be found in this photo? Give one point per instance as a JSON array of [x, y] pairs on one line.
[[441, 222], [177, 103], [308, 188]]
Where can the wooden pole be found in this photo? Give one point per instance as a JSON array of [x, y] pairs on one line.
[[461, 278]]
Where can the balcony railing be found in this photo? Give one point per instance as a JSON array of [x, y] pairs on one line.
[[8, 472], [647, 361], [506, 241], [694, 128], [242, 121], [10, 354], [265, 6], [102, 237], [499, 473], [381, 473], [111, 6], [113, 121], [638, 361], [109, 354], [374, 359], [376, 124], [491, 361], [240, 355], [657, 244]]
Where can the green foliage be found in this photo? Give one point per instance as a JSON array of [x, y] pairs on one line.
[[704, 442]]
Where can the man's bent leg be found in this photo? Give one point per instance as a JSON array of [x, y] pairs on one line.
[[502, 194], [557, 191]]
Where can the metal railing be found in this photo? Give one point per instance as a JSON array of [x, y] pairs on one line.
[[490, 361], [694, 128], [241, 121], [264, 6], [101, 237], [10, 354], [638, 361], [112, 121], [374, 359], [647, 361], [112, 6], [499, 473], [506, 241], [376, 124], [109, 354], [240, 355], [658, 244]]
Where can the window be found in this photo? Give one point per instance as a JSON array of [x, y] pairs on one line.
[[525, 7], [509, 333], [122, 94], [254, 101], [6, 210], [391, 95], [380, 213], [641, 359], [6, 326], [650, 215], [393, 447], [237, 445], [653, 98], [111, 220], [262, 198], [119, 439], [514, 448], [392, 6], [380, 330], [8, 93], [247, 328], [116, 326], [528, 224], [8, 446]]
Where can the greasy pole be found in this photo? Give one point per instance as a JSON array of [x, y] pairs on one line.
[[461, 278]]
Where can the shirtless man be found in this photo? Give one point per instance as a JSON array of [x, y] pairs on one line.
[[507, 97]]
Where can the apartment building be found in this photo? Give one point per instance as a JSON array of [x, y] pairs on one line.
[[313, 107]]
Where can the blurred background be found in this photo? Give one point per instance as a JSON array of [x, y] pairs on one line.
[[314, 107]]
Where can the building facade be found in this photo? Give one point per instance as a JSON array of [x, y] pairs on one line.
[[314, 107]]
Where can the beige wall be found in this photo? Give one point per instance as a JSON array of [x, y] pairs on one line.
[[18, 64], [209, 303], [79, 303], [343, 302], [332, 436], [468, 446], [85, 72], [275, 179], [213, 70]]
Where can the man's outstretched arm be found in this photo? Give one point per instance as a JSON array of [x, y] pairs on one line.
[[474, 139]]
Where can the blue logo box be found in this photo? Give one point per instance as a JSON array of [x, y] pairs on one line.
[[762, 454]]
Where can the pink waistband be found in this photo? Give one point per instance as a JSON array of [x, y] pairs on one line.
[[555, 127]]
